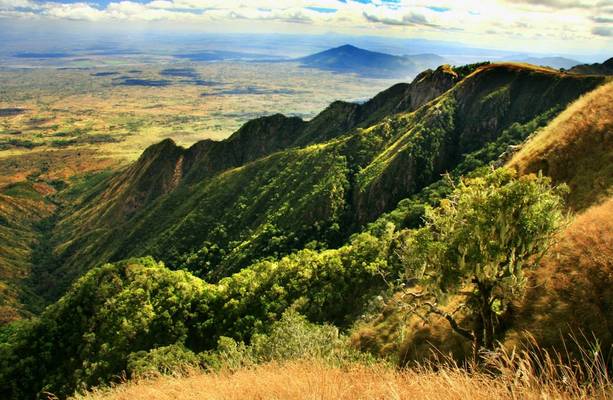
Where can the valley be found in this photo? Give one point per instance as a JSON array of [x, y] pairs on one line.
[[175, 218]]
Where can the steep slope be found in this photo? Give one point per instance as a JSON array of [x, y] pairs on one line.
[[164, 166], [96, 226], [568, 293], [605, 68], [475, 112], [22, 210], [576, 148]]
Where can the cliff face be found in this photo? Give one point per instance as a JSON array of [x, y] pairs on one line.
[[427, 86], [154, 174]]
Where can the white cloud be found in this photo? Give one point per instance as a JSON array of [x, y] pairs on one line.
[[17, 4], [74, 11], [482, 21]]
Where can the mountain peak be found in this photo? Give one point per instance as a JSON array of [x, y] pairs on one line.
[[351, 59], [348, 58], [348, 47]]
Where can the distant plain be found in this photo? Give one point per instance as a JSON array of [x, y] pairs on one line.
[[112, 108]]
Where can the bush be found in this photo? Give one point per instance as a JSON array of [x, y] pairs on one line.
[[174, 359], [290, 338]]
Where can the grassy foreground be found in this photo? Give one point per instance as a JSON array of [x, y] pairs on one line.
[[517, 378]]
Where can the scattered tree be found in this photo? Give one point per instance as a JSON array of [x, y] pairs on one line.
[[477, 244]]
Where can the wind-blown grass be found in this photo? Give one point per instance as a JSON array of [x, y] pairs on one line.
[[530, 374]]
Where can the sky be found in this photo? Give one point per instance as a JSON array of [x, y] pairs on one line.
[[546, 26]]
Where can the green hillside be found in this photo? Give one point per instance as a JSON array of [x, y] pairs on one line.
[[215, 211]]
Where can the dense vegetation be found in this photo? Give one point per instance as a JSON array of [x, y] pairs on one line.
[[118, 310], [137, 314]]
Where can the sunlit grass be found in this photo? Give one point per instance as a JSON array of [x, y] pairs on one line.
[[576, 148], [506, 375]]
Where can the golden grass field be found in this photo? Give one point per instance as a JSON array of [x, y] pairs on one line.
[[302, 380]]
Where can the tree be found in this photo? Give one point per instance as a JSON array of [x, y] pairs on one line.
[[476, 245]]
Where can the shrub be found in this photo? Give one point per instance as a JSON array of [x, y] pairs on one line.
[[174, 359], [290, 338]]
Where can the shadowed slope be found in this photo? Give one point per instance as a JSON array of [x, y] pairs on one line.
[[22, 209], [476, 111], [570, 294]]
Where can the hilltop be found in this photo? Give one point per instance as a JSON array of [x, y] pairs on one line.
[[553, 62]]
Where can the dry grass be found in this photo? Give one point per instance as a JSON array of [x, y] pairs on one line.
[[576, 148], [571, 292], [516, 379]]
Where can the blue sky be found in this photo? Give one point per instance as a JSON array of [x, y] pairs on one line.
[[538, 25]]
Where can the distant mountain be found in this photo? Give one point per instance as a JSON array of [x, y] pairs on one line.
[[553, 62], [427, 60], [606, 68], [351, 59]]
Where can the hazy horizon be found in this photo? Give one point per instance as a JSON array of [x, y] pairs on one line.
[[579, 30]]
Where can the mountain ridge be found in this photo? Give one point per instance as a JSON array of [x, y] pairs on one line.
[[311, 224], [337, 183], [263, 136]]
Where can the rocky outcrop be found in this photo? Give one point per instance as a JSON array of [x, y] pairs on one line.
[[427, 86]]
